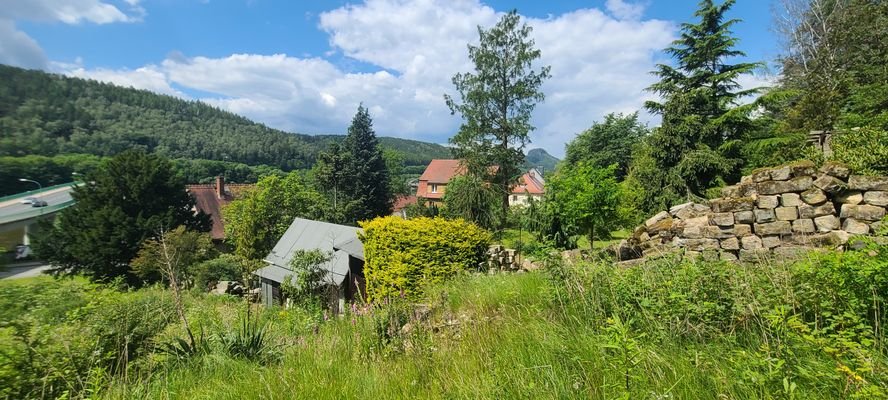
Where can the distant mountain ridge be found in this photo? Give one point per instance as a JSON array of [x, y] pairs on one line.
[[48, 114]]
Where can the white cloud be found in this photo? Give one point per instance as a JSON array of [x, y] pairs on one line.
[[624, 10], [148, 78], [18, 49], [600, 64], [67, 11]]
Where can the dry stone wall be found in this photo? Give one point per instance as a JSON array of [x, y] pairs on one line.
[[772, 212]]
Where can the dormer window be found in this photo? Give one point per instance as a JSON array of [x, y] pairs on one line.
[[434, 188]]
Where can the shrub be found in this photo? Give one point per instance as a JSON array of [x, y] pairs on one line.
[[405, 256], [224, 268], [250, 341], [865, 150]]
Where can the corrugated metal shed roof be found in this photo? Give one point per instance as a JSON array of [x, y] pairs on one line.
[[306, 234]]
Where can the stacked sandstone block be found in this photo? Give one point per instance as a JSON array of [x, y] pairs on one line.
[[778, 211], [500, 258]]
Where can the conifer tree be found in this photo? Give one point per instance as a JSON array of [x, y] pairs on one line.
[[696, 146], [126, 201], [354, 176], [497, 102], [369, 177]]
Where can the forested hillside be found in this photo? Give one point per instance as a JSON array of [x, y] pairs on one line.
[[47, 114], [539, 158]]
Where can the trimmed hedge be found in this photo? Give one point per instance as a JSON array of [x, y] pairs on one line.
[[405, 256]]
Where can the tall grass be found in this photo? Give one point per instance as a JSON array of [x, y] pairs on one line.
[[665, 330], [670, 329]]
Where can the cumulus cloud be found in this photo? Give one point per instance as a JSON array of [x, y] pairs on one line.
[[67, 11], [624, 10], [148, 78], [17, 48], [600, 61]]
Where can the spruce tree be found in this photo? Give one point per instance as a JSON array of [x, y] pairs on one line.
[[695, 148], [129, 199], [367, 178]]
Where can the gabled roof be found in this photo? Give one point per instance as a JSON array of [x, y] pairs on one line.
[[441, 171], [402, 202], [305, 234], [531, 182], [206, 199]]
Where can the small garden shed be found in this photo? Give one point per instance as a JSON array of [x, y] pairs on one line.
[[345, 269]]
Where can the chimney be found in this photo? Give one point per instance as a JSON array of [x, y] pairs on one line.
[[220, 187]]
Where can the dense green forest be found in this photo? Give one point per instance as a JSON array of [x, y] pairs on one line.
[[47, 114]]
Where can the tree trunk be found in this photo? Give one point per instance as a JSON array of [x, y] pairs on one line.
[[592, 237]]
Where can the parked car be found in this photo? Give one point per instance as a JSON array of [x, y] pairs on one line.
[[28, 200], [38, 203]]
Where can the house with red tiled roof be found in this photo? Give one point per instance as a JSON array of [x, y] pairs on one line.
[[210, 198], [433, 183], [399, 208], [531, 185]]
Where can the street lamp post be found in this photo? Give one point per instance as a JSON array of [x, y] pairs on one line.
[[39, 186]]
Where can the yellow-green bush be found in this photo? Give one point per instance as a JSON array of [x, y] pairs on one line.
[[407, 255]]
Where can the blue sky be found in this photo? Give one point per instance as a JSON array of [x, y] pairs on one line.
[[305, 65]]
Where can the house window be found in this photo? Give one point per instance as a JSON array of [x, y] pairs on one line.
[[434, 188], [514, 197]]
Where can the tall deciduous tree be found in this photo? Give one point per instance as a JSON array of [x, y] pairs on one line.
[[126, 201], [834, 63], [607, 143], [697, 145], [497, 101], [255, 222]]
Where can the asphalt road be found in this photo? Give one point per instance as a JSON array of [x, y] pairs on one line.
[[23, 271], [52, 197]]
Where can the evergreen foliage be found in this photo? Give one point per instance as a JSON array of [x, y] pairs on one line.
[[354, 176], [129, 199], [368, 177], [696, 146], [470, 198], [497, 101]]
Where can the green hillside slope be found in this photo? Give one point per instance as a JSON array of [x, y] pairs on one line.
[[48, 114]]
